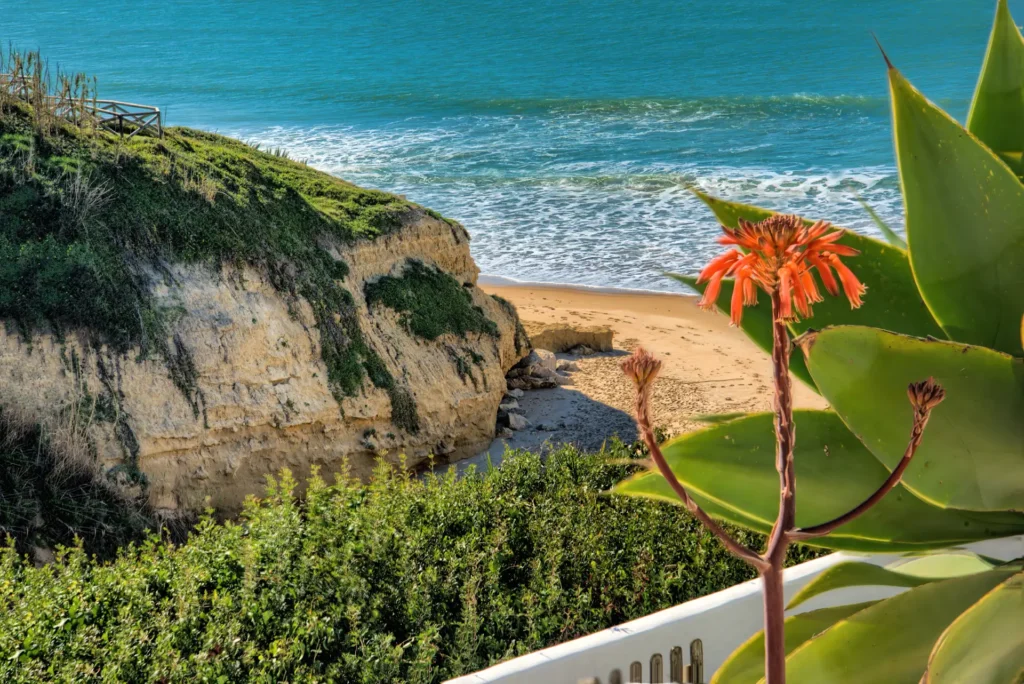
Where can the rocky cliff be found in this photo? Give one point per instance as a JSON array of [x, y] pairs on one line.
[[212, 313], [261, 386]]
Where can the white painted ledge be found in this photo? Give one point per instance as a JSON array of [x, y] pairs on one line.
[[722, 621]]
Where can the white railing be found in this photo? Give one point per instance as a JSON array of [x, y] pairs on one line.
[[708, 629]]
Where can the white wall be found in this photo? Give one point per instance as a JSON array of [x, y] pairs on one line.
[[722, 621]]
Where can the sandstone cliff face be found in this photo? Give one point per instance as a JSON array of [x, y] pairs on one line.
[[258, 398]]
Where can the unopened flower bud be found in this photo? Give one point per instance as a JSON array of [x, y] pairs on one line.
[[925, 395], [642, 368]]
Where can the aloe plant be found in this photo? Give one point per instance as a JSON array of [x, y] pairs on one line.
[[779, 255], [948, 304]]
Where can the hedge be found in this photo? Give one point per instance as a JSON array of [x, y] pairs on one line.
[[403, 580]]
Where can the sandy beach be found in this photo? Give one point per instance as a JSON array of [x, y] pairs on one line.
[[709, 367]]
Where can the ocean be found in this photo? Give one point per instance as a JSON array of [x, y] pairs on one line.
[[565, 135]]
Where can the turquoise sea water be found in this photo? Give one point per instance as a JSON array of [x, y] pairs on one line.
[[562, 134]]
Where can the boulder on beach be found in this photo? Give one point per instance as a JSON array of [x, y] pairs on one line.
[[561, 337]]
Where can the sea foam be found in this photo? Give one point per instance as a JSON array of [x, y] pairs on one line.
[[599, 193]]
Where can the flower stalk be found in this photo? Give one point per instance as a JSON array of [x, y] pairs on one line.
[[780, 256]]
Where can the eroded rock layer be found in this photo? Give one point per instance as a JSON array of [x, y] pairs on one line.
[[247, 393]]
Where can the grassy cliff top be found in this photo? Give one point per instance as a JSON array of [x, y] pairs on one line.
[[85, 209], [198, 194]]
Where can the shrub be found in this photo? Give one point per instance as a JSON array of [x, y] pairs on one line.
[[402, 580]]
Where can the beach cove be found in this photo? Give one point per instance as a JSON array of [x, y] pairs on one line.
[[709, 367]]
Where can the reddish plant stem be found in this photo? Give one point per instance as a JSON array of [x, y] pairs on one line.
[[778, 541], [921, 416], [774, 625], [924, 396], [643, 420]]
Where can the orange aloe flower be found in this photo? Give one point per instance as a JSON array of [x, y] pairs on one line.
[[778, 254]]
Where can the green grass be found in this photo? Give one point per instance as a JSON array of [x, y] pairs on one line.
[[430, 301], [403, 580], [86, 218]]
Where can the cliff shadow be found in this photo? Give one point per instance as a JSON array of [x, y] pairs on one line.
[[556, 417]]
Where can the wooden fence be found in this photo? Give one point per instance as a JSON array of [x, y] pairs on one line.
[[124, 118]]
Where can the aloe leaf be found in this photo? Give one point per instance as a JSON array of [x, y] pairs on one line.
[[716, 418], [729, 213], [756, 323], [891, 235], [965, 223], [951, 564], [972, 454], [730, 469], [854, 574], [890, 641], [985, 644], [1015, 160], [746, 664], [892, 301], [997, 111]]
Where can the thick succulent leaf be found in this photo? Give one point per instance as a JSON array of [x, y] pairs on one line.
[[985, 645], [729, 213], [756, 323], [892, 301], [997, 111], [891, 640], [891, 235], [953, 564], [746, 664], [715, 418], [972, 454], [730, 469], [853, 574], [965, 223], [1015, 160]]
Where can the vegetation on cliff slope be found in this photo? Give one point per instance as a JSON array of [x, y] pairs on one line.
[[430, 301], [50, 494], [403, 580], [89, 220]]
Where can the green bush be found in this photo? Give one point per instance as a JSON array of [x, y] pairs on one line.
[[403, 580]]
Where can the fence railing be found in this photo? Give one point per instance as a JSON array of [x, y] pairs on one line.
[[124, 118], [113, 116]]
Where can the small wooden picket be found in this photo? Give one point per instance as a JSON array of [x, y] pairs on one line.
[[677, 672]]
